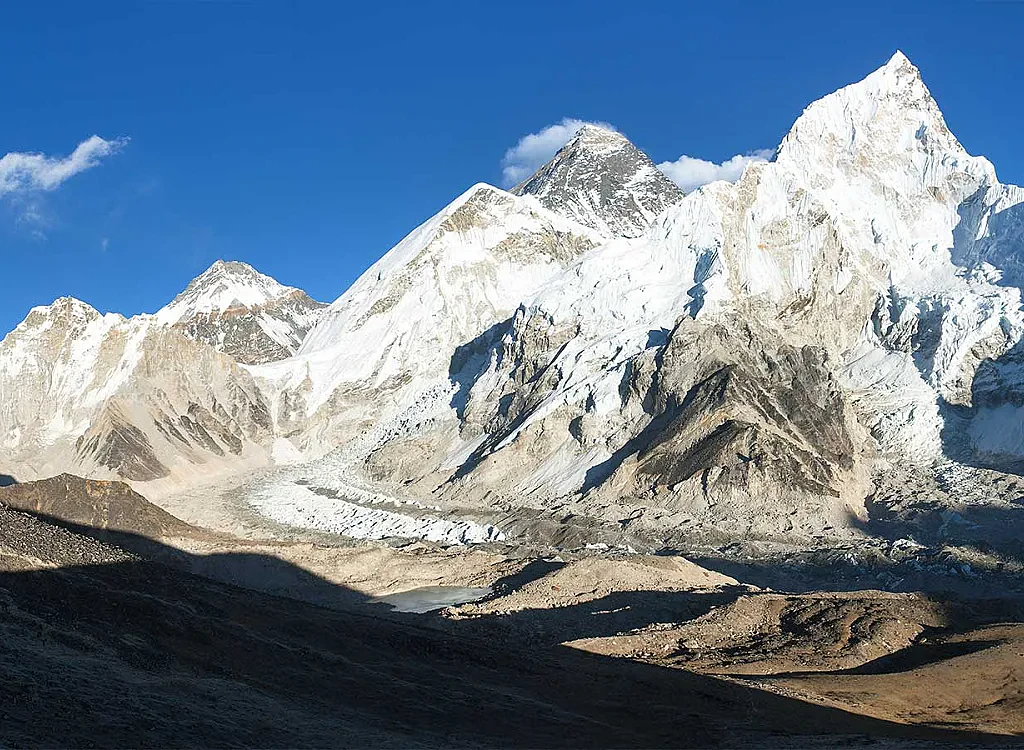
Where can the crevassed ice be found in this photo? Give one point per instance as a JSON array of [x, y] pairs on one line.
[[297, 505]]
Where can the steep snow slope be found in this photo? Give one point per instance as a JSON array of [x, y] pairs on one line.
[[387, 344], [243, 313], [603, 181]]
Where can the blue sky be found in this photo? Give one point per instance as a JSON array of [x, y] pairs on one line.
[[307, 138]]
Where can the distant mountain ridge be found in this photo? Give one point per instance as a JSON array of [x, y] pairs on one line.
[[243, 313], [152, 398], [592, 353]]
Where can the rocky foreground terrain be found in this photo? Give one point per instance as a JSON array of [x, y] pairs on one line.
[[292, 641]]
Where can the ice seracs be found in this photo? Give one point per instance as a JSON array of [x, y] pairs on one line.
[[299, 505]]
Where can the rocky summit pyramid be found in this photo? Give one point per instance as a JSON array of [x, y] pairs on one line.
[[602, 181], [592, 357]]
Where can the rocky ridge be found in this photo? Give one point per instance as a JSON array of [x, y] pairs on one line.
[[95, 506]]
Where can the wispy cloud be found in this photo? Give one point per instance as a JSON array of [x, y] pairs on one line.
[[689, 172], [26, 172], [534, 150], [29, 213]]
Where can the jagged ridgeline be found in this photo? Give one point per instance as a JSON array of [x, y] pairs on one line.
[[591, 349], [161, 398]]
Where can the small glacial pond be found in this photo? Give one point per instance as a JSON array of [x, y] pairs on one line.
[[429, 598]]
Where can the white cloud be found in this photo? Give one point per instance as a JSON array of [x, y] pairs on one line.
[[536, 149], [22, 172], [689, 173]]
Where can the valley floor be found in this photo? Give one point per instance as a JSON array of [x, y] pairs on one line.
[[279, 639]]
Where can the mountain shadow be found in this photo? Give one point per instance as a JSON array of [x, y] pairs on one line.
[[969, 252], [988, 434], [105, 648], [471, 360], [997, 381]]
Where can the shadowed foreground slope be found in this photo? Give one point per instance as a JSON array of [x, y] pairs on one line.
[[99, 647], [97, 504]]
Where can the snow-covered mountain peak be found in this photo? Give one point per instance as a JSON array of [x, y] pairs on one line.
[[479, 188], [65, 314], [901, 80], [69, 307], [901, 65], [242, 312], [898, 58], [224, 285], [596, 138], [879, 158], [889, 112], [474, 207], [601, 180]]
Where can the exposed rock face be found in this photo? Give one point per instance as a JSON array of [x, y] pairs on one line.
[[717, 425], [747, 432], [243, 313], [111, 506], [603, 181]]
